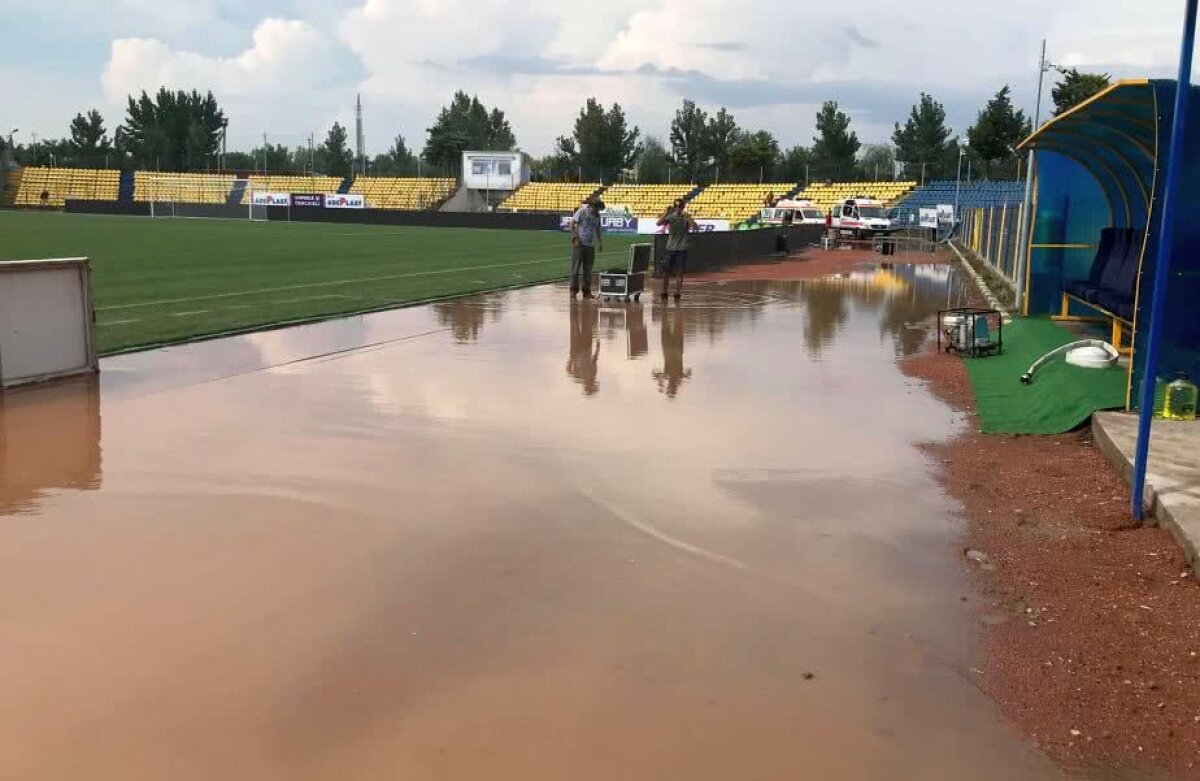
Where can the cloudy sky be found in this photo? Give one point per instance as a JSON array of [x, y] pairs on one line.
[[291, 67]]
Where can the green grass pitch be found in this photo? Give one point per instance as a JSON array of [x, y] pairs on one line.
[[158, 281]]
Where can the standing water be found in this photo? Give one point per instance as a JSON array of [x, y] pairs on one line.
[[505, 537]]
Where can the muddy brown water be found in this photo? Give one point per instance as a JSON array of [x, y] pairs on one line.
[[506, 537]]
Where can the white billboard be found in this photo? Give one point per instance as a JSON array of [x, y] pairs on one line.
[[929, 218], [345, 201], [46, 326], [945, 212], [648, 226], [271, 199]]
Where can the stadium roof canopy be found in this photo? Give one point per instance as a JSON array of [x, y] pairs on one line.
[[1101, 165]]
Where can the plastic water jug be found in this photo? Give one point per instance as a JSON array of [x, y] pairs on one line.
[[1160, 392], [1180, 401]]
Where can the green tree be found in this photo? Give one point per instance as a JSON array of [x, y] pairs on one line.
[[466, 124], [925, 142], [554, 167], [997, 131], [243, 161], [689, 130], [753, 156], [721, 134], [654, 163], [794, 164], [174, 131], [602, 143], [274, 159], [337, 156], [835, 147], [1076, 87], [877, 162], [89, 140]]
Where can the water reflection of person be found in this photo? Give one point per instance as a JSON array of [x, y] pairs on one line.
[[583, 362], [635, 324], [673, 373]]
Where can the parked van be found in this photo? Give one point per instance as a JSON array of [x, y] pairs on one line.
[[791, 212], [861, 218]]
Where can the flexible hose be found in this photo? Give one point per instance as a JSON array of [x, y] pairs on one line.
[[1027, 377]]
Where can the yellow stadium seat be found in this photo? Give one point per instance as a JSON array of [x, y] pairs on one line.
[[406, 193], [549, 197], [61, 184]]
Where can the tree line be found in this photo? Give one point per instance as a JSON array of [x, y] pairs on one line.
[[185, 131]]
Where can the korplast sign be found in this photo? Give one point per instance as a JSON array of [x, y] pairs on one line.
[[345, 201], [271, 199]]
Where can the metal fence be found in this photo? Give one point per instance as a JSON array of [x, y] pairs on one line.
[[992, 234]]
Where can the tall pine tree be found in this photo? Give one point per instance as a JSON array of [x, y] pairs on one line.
[[925, 142], [835, 147], [997, 131]]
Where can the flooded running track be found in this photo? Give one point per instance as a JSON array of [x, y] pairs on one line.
[[503, 537]]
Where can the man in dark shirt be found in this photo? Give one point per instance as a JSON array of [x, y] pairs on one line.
[[678, 224]]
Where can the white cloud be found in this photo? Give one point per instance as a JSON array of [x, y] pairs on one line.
[[269, 86], [539, 62]]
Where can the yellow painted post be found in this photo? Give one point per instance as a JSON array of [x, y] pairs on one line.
[[1000, 250]]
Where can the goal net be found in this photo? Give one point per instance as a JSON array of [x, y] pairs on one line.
[[187, 195]]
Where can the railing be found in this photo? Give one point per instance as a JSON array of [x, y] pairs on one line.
[[992, 234]]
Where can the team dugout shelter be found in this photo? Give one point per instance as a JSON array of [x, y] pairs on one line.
[[1097, 210]]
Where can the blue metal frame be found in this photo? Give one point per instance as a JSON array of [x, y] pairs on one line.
[[1163, 266]]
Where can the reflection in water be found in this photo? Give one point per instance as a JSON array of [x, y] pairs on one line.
[[901, 297], [673, 373], [905, 296], [583, 362], [466, 316], [49, 438], [629, 319], [476, 571]]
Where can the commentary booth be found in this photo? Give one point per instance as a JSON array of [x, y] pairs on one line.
[[1097, 217]]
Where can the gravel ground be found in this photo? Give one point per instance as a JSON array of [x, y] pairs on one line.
[[1092, 626]]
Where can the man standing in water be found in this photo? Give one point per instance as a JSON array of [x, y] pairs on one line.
[[586, 238], [678, 224]]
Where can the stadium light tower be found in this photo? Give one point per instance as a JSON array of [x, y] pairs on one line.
[[962, 151], [1027, 204]]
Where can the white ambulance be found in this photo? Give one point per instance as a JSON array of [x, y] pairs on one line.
[[795, 212], [861, 218]]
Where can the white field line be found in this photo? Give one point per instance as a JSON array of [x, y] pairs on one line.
[[310, 285], [191, 312], [119, 322]]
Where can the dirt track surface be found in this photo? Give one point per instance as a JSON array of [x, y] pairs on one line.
[[1092, 627]]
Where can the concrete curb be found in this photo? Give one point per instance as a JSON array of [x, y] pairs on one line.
[[993, 302], [1159, 506]]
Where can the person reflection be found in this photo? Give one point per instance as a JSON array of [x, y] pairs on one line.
[[672, 375], [635, 323], [583, 362]]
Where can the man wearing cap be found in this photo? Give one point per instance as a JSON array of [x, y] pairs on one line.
[[586, 238]]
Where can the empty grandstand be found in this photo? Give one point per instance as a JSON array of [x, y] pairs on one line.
[[181, 188], [735, 202], [403, 193], [549, 197], [59, 184], [646, 200], [968, 195], [282, 183], [825, 196]]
